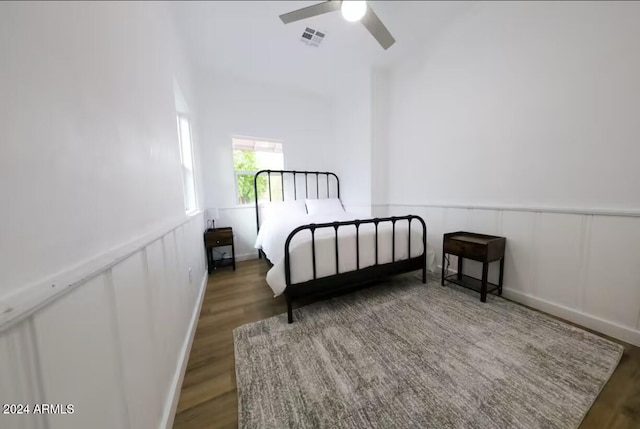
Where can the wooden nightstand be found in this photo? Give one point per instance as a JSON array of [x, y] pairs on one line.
[[219, 237], [479, 247]]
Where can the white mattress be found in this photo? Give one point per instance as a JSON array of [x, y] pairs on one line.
[[274, 232]]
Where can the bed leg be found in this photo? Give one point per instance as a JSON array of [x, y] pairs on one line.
[[424, 274], [289, 310]]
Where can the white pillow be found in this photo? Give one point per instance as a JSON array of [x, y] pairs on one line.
[[324, 206], [282, 208]]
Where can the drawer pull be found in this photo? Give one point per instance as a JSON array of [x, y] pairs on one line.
[[217, 241]]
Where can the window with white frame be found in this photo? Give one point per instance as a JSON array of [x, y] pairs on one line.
[[250, 156], [186, 155]]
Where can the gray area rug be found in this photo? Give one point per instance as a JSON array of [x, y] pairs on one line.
[[407, 355]]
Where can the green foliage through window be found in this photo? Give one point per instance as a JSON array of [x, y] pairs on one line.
[[250, 156], [245, 160]]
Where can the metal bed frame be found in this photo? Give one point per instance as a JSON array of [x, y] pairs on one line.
[[346, 280]]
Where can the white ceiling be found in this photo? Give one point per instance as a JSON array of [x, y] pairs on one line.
[[247, 38]]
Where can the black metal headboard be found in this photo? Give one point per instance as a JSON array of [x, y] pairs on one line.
[[294, 174]]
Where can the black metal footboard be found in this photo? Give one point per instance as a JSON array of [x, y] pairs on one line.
[[346, 280]]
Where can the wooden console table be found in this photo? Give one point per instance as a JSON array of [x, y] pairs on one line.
[[479, 247]]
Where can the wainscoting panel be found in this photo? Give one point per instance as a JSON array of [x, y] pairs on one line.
[[613, 270], [379, 210], [172, 294], [433, 217], [557, 247], [243, 222], [116, 344], [518, 227], [18, 370], [161, 308], [485, 221], [79, 362], [579, 265], [133, 315], [456, 219]]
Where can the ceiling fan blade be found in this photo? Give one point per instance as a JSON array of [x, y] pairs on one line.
[[309, 11], [377, 28]]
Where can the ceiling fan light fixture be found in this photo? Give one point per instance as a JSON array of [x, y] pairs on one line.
[[353, 10]]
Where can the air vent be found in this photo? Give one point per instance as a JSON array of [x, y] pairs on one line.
[[312, 37]]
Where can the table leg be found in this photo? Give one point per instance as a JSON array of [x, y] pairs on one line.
[[210, 259], [460, 258], [501, 278], [485, 275], [233, 255], [443, 265]]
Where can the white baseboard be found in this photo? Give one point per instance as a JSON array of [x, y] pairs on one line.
[[171, 403], [588, 321]]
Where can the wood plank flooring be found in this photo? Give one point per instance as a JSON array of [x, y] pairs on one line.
[[208, 398]]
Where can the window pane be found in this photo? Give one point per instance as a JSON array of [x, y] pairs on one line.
[[251, 156], [269, 160], [276, 189], [249, 160], [244, 160], [185, 143], [244, 184], [255, 154], [189, 190], [186, 154]]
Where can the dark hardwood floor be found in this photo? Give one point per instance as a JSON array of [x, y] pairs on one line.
[[208, 397]]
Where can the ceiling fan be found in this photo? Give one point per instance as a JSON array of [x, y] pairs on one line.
[[352, 11]]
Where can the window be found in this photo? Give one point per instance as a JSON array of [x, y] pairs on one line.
[[186, 154], [250, 156]]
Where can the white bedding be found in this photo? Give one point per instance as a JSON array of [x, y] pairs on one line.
[[274, 232]]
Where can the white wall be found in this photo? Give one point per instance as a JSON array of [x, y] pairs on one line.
[[101, 271], [534, 103], [380, 111], [351, 151], [531, 105], [330, 133], [231, 106], [89, 151]]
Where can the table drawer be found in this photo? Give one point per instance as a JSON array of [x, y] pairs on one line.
[[466, 249], [219, 238]]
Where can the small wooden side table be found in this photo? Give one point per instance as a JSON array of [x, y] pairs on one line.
[[479, 247], [218, 237]]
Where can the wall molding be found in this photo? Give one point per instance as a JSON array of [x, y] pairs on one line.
[[23, 302], [535, 209], [171, 404]]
